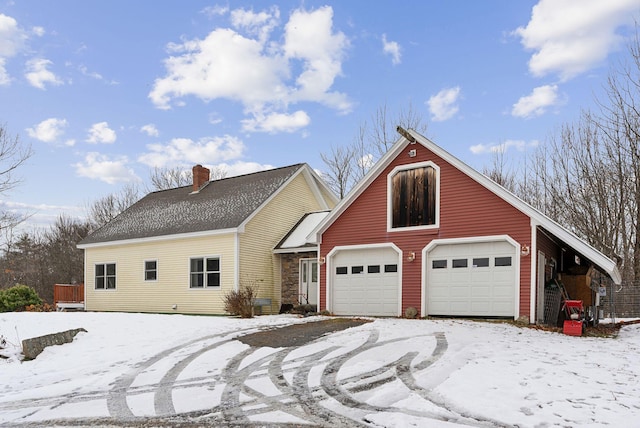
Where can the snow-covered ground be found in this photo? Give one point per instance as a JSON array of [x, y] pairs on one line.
[[390, 372]]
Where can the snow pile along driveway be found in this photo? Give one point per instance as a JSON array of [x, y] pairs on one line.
[[164, 369]]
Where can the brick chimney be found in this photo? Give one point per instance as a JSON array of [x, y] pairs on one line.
[[201, 177]]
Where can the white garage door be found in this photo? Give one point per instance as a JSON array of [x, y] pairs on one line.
[[472, 279], [365, 282]]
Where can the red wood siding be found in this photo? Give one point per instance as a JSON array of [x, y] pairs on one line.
[[466, 209]]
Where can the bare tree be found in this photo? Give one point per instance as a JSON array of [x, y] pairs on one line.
[[13, 154], [500, 170], [382, 133], [108, 207], [347, 165], [340, 169], [588, 175], [64, 260], [170, 178]]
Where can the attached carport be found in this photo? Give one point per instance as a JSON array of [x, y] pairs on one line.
[[364, 280], [476, 276]]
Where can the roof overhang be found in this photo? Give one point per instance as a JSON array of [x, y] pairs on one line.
[[410, 136], [158, 238]]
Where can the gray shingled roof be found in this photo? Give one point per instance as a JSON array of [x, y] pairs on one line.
[[221, 204]]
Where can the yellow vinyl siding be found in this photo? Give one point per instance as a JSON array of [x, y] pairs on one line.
[[258, 264], [134, 294]]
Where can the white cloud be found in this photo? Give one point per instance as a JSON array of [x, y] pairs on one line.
[[216, 10], [38, 31], [570, 37], [48, 130], [536, 104], [259, 24], [391, 48], [277, 122], [12, 40], [246, 64], [150, 129], [184, 151], [214, 118], [443, 105], [241, 167], [519, 145], [38, 75], [5, 79], [309, 37], [101, 133], [366, 162], [100, 167]]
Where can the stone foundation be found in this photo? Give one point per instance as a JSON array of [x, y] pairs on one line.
[[290, 265]]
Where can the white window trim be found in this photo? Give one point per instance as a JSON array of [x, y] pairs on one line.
[[407, 167], [105, 285], [144, 270], [206, 287]]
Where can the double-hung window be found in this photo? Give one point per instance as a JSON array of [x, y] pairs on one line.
[[413, 196], [105, 276], [204, 272], [151, 270]]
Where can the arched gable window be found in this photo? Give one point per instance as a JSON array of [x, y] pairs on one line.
[[413, 196]]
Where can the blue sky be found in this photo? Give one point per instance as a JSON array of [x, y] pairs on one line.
[[106, 90]]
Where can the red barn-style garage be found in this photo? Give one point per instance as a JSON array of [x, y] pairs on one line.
[[424, 230]]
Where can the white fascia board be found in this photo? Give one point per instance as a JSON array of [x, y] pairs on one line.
[[317, 185], [158, 238], [358, 189], [270, 198], [296, 250]]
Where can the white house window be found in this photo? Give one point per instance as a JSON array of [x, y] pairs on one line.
[[413, 196], [205, 272], [105, 276], [150, 270]]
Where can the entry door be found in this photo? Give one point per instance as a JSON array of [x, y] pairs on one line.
[[308, 282]]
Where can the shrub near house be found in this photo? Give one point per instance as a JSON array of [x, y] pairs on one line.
[[17, 298]]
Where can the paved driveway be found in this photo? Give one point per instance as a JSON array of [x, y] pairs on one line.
[[228, 379]]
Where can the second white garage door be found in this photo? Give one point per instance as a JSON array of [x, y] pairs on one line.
[[472, 279], [365, 282]]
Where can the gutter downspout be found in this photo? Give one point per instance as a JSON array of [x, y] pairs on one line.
[[236, 273], [534, 269]]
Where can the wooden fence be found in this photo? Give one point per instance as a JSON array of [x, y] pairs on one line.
[[68, 296]]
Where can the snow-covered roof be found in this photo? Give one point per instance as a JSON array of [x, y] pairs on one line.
[[298, 237]]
